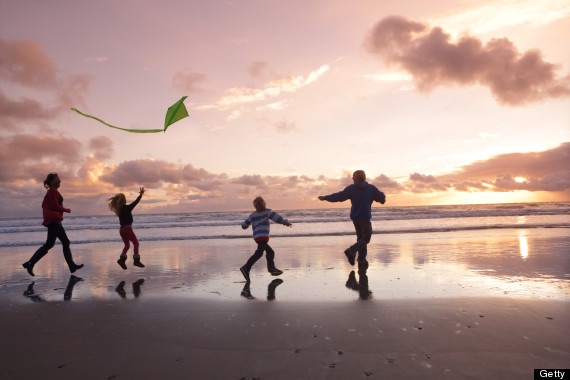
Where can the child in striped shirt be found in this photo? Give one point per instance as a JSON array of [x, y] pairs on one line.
[[259, 221]]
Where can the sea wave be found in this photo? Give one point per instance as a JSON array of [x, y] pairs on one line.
[[4, 244]]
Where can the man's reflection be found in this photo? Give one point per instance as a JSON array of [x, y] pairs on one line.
[[31, 294], [361, 286], [70, 284], [246, 291], [120, 289]]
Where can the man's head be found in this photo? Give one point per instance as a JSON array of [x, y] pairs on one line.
[[358, 176]]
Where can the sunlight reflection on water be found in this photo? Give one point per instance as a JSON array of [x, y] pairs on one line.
[[522, 263]]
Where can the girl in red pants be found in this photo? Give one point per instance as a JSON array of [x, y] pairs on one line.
[[118, 204]]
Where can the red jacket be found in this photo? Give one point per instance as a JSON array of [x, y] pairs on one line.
[[52, 206]]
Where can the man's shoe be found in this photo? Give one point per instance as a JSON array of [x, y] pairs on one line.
[[245, 273], [29, 267], [349, 256], [275, 272], [75, 267]]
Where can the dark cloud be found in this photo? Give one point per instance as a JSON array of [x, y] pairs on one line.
[[417, 177], [32, 157], [387, 184], [151, 173], [433, 60], [12, 111], [543, 171], [250, 180]]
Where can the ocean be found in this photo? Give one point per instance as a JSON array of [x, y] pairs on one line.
[[18, 232]]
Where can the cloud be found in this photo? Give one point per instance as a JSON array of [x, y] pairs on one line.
[[242, 95], [88, 180], [14, 111], [532, 171], [286, 126], [151, 173], [189, 82], [96, 59], [25, 64], [433, 60], [258, 69], [498, 14], [24, 157], [102, 146]]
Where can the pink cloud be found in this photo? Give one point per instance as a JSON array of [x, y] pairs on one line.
[[189, 82], [433, 60], [24, 63]]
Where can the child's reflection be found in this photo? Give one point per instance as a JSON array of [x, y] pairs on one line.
[[120, 289], [246, 291]]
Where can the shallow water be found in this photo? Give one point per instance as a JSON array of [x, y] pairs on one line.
[[529, 263]]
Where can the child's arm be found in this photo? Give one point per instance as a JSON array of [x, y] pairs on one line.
[[279, 219], [246, 223], [136, 202]]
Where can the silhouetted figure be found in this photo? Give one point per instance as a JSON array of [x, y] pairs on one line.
[[259, 221], [118, 204], [53, 210], [361, 195]]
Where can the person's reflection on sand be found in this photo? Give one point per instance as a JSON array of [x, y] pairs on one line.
[[137, 287], [271, 288], [246, 291], [29, 293], [361, 286], [69, 289], [120, 289]]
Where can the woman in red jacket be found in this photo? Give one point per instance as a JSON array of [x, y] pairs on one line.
[[53, 215]]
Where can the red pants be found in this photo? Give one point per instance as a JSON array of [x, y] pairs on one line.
[[127, 234]]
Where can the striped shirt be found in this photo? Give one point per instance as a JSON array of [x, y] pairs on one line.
[[260, 222]]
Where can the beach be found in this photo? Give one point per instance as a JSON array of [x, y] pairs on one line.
[[459, 305]]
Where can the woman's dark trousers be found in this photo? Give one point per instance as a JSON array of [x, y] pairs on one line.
[[55, 231]]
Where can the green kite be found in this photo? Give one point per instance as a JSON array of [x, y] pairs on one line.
[[175, 113]]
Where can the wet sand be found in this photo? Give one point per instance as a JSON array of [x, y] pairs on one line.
[[469, 305]]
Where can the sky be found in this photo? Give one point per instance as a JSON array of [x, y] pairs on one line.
[[440, 102]]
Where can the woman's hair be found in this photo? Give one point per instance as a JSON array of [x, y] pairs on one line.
[[259, 204], [49, 178], [115, 203]]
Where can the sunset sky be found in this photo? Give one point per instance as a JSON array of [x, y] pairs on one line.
[[440, 102]]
